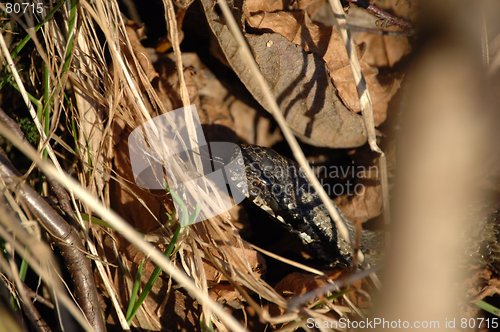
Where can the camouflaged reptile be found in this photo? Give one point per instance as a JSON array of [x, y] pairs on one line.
[[278, 186]]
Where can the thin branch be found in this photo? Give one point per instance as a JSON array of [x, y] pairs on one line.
[[388, 18], [66, 238], [376, 31], [38, 298], [29, 308], [46, 268]]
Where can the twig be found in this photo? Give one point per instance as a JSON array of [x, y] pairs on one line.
[[376, 31], [67, 239], [28, 307], [384, 15], [63, 198], [46, 268], [38, 298], [64, 201], [13, 125]]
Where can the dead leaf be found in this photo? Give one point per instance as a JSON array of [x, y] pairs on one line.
[[252, 6], [300, 82], [135, 32], [247, 255], [382, 51], [225, 110], [364, 206], [295, 284], [327, 43], [138, 206], [226, 294]]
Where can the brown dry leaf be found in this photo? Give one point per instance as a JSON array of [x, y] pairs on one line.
[[224, 111], [229, 120], [327, 43], [127, 199], [362, 199], [251, 6], [226, 294], [247, 255], [300, 82], [263, 132], [169, 81], [491, 289], [364, 206], [182, 313], [134, 33], [296, 284], [382, 51]]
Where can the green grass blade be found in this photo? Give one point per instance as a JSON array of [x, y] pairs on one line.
[[23, 270], [95, 220], [184, 216], [488, 308], [71, 36], [135, 289], [154, 276], [45, 113]]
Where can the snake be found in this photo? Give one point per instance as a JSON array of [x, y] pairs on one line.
[[279, 186]]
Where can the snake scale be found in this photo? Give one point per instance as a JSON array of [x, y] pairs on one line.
[[278, 186]]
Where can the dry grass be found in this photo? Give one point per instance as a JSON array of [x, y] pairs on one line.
[[75, 56], [97, 89]]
